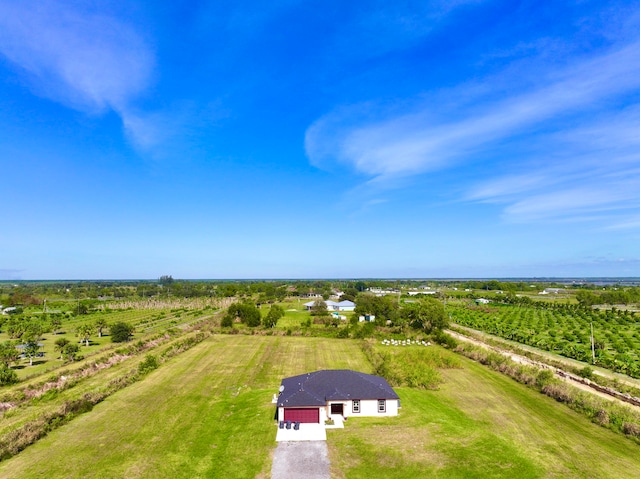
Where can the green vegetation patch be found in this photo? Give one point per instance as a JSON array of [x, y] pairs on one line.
[[205, 413]]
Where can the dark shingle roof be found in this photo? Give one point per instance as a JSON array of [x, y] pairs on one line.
[[316, 388]]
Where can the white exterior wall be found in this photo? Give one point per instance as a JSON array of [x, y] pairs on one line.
[[368, 407]]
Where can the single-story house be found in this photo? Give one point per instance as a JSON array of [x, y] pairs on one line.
[[333, 306], [314, 397]]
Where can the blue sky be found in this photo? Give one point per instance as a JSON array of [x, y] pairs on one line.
[[289, 139]]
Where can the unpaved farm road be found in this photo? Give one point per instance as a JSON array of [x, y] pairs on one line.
[[560, 374], [301, 460]]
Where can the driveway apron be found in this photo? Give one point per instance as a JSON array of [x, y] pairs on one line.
[[301, 460]]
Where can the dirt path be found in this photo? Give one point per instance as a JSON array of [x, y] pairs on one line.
[[567, 362], [301, 460], [576, 381]]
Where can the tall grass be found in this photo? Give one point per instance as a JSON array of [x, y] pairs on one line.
[[412, 366]]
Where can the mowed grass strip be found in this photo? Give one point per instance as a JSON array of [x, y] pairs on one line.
[[205, 413], [480, 424]]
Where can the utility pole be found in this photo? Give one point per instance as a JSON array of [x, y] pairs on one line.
[[593, 348]]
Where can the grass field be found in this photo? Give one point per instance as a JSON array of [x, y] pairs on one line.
[[208, 413]]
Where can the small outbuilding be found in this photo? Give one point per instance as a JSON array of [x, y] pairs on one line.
[[314, 397]]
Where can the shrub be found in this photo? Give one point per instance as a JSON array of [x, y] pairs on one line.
[[631, 429], [559, 392], [7, 375], [343, 333], [149, 363], [227, 321], [586, 372], [601, 417], [445, 340], [543, 378]]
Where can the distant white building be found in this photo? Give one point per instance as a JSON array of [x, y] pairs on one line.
[[552, 291], [382, 292], [334, 306]]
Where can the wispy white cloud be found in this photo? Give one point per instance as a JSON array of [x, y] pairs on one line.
[[407, 144], [86, 60], [577, 165]]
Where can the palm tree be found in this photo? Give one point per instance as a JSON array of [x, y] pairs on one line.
[[100, 324], [84, 331]]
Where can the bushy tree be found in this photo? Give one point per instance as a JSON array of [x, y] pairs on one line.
[[60, 345], [587, 298], [427, 314], [385, 308], [70, 352], [7, 375], [227, 321], [81, 309], [30, 349], [8, 353], [120, 332], [319, 308], [248, 313], [55, 323], [271, 319]]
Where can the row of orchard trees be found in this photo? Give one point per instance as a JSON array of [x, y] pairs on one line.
[[25, 343], [248, 313], [562, 328]]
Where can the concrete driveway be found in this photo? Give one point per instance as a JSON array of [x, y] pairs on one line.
[[301, 460]]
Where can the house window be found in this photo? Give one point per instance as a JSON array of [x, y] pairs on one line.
[[356, 405], [382, 405]]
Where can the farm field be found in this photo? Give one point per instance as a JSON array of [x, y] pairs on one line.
[[144, 321], [561, 329], [208, 413]]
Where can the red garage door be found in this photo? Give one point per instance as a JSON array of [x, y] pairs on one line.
[[302, 414]]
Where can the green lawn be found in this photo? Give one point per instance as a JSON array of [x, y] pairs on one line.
[[480, 424], [208, 413]]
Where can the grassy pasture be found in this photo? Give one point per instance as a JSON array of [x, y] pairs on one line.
[[480, 425], [208, 413]]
